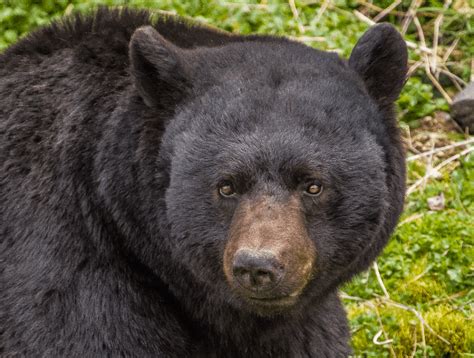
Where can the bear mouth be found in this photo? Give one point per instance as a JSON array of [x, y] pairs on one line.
[[275, 300], [267, 302], [268, 307], [272, 302]]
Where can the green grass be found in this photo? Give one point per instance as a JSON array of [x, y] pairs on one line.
[[427, 267]]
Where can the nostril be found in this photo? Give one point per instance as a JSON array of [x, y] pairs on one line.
[[262, 273], [263, 277], [256, 271]]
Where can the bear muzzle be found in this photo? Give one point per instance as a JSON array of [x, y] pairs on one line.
[[269, 257]]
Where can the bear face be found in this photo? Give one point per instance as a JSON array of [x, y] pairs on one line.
[[279, 177]]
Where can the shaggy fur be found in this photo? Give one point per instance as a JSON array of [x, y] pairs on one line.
[[111, 149]]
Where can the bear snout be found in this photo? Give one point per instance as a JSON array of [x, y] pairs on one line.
[[269, 256]]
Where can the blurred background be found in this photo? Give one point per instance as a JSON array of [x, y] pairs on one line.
[[417, 300]]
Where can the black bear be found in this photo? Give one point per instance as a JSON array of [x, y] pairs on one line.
[[171, 190]]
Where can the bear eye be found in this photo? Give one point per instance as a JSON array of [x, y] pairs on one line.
[[314, 189], [226, 189]]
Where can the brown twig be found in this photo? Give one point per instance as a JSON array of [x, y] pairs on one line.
[[247, 6], [379, 279], [436, 169], [308, 38], [296, 16], [437, 25], [387, 341], [440, 149], [414, 67], [415, 343], [449, 298], [387, 10], [411, 218], [457, 81], [410, 15], [433, 80], [322, 9], [450, 50]]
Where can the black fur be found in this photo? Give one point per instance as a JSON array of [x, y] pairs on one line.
[[110, 153]]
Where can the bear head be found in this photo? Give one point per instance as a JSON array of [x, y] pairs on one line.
[[280, 170]]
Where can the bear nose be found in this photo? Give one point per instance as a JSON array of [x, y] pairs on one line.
[[257, 271]]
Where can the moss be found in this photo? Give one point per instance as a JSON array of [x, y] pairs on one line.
[[404, 328], [453, 325], [419, 285]]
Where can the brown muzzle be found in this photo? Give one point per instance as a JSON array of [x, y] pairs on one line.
[[269, 256]]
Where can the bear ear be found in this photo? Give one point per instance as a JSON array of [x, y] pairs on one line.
[[380, 58], [157, 67]]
